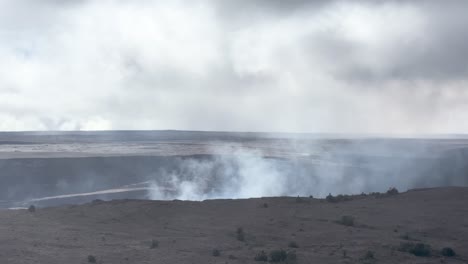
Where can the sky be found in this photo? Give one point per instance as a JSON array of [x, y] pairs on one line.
[[258, 65]]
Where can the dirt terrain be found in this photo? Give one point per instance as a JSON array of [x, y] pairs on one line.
[[138, 231]]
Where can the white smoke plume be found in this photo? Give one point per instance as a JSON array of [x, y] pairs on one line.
[[349, 169]]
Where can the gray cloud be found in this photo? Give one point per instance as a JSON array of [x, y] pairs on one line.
[[315, 66]]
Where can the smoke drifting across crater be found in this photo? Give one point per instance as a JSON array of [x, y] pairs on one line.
[[75, 167], [351, 169]]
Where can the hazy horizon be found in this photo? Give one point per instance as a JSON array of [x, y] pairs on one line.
[[263, 133]]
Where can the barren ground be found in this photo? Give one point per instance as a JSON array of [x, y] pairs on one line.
[[121, 231]]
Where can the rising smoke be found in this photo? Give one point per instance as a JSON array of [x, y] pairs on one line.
[[350, 169]]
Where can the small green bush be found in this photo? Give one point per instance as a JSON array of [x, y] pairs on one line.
[[91, 259], [406, 236], [346, 220], [261, 256], [278, 255], [417, 249], [392, 191], [293, 244], [32, 209], [299, 199], [369, 255], [240, 234], [216, 253], [154, 243], [339, 198], [448, 252], [368, 258]]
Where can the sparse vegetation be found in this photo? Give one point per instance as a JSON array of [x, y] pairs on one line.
[[346, 220], [447, 252], [154, 243], [216, 253], [392, 191], [91, 259], [240, 234], [339, 198], [417, 249], [32, 209], [293, 244], [368, 258], [407, 236], [261, 256], [299, 199], [278, 255], [97, 201], [345, 197], [369, 255]]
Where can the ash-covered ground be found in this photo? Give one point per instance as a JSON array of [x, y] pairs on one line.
[[53, 168]]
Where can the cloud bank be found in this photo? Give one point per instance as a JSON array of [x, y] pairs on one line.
[[295, 66]]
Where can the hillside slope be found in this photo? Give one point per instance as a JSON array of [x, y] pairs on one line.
[[121, 231]]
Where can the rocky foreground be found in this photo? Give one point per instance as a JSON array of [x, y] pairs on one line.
[[410, 227]]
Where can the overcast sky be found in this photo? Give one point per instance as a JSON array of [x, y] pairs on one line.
[[258, 65]]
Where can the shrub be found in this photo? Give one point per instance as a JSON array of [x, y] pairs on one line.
[[299, 199], [368, 258], [91, 259], [339, 198], [265, 205], [392, 191], [32, 209], [346, 220], [278, 255], [293, 244], [330, 198], [240, 234], [417, 249], [261, 256], [154, 243], [376, 194], [405, 236], [96, 201], [369, 255], [215, 253], [448, 252]]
